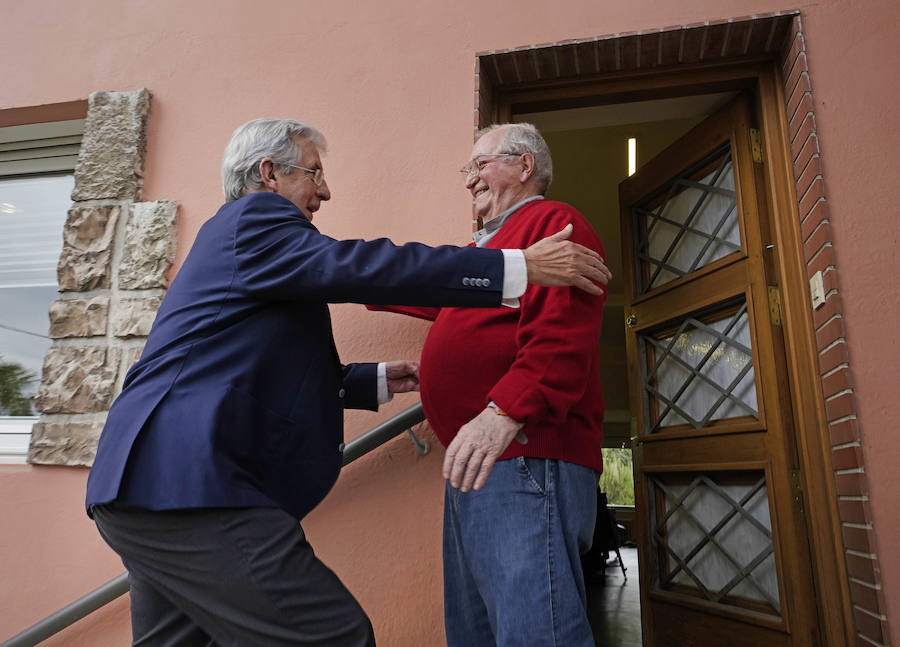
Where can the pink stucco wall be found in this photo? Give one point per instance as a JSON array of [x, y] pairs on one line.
[[391, 85]]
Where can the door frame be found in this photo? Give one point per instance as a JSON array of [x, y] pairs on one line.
[[497, 102]]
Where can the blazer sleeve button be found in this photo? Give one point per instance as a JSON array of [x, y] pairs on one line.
[[486, 283], [342, 393]]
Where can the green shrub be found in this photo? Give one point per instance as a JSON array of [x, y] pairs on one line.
[[617, 479]]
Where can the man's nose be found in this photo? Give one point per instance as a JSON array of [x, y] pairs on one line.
[[323, 192], [471, 179]]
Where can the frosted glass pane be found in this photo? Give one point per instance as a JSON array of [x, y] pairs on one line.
[[715, 536], [693, 225], [702, 373]]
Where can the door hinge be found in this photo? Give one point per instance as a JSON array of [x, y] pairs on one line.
[[797, 490], [756, 147], [775, 305]]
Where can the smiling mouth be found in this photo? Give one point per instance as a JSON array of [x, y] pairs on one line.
[[478, 192]]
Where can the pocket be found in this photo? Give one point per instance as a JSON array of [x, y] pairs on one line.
[[534, 472]]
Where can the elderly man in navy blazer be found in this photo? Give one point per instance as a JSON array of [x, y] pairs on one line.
[[228, 429]]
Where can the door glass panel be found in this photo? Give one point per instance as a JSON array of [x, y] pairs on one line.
[[688, 223], [701, 371], [712, 537]]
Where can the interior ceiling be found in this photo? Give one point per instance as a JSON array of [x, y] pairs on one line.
[[626, 113]]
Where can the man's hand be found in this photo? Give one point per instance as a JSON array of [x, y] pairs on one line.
[[402, 376], [557, 261], [476, 447]]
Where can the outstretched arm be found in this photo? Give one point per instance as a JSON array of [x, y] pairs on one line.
[[555, 261]]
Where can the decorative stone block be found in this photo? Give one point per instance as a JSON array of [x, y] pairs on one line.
[[84, 263], [64, 443], [79, 317], [132, 355], [78, 379], [133, 317], [111, 161], [149, 248]]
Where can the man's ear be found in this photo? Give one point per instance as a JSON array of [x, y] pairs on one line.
[[527, 167], [267, 173]]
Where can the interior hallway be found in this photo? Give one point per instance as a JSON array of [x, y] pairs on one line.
[[614, 604]]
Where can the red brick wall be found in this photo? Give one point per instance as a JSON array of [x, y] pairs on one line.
[[851, 483]]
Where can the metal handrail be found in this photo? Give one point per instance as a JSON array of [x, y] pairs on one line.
[[118, 586], [71, 613], [377, 436]]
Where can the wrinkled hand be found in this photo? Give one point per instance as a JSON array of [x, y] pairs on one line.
[[402, 376], [472, 454], [556, 261]]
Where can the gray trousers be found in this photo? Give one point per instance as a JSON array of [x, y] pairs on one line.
[[228, 576]]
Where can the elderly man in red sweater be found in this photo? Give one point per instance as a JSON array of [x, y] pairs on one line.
[[514, 394]]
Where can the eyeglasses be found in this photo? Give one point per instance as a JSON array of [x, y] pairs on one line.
[[474, 167], [318, 175]]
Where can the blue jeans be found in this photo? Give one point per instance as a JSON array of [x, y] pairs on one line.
[[512, 569]]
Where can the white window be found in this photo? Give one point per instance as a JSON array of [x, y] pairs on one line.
[[36, 182]]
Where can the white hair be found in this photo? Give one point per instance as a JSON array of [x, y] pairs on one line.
[[522, 138], [261, 138]]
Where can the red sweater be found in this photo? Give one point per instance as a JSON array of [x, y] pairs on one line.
[[538, 362]]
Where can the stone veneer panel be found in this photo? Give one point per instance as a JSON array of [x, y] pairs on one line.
[[133, 317], [79, 317], [149, 247], [111, 161], [85, 261], [64, 443], [78, 379], [132, 355]]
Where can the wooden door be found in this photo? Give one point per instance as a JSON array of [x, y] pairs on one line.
[[723, 544]]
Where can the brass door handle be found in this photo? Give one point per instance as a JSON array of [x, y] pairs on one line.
[[631, 320]]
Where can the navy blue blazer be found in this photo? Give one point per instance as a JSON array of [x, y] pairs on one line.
[[238, 397]]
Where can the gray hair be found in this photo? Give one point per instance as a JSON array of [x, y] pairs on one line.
[[261, 138], [522, 138]]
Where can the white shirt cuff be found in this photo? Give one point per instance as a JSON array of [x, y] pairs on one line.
[[383, 395], [515, 276]]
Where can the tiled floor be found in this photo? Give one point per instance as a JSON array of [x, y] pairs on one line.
[[614, 604]]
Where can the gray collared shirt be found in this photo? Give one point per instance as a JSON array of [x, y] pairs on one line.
[[483, 235]]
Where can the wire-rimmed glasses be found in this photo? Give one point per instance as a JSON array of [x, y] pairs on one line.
[[318, 175], [477, 163]]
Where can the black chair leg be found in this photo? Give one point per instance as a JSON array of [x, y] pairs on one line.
[[615, 535]]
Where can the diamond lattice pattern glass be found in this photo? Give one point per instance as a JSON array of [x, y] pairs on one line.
[[689, 224], [713, 537], [701, 373]]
